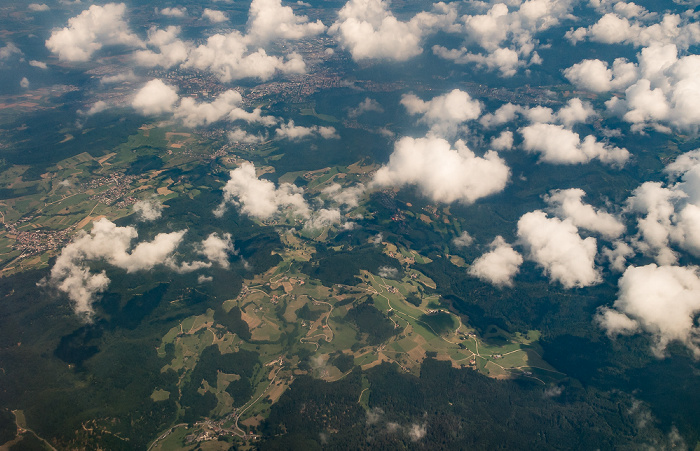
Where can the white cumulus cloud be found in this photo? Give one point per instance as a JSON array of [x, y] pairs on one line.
[[214, 16], [112, 244], [556, 246], [568, 204], [261, 198], [297, 132], [445, 112], [173, 12], [442, 173], [89, 31], [155, 98], [498, 266], [149, 209], [369, 30], [504, 37], [660, 300], [559, 145], [269, 20]]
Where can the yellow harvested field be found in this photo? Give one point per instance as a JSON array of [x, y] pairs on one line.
[[252, 321]]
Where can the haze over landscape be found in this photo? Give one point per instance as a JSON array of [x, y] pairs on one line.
[[350, 225]]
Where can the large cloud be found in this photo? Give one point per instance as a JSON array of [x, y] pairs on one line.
[[506, 37], [156, 97], [612, 28], [669, 213], [443, 113], [499, 265], [367, 29], [260, 198], [594, 75], [574, 112], [225, 106], [557, 247], [557, 144], [270, 20], [229, 58], [112, 244], [442, 173], [661, 90], [235, 55], [568, 204], [661, 300], [89, 31]]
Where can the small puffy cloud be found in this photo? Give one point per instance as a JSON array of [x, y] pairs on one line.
[[504, 114], [148, 209], [38, 7], [498, 266], [568, 204], [118, 78], [463, 240], [217, 249], [504, 141], [97, 107], [269, 20], [39, 64], [214, 16], [663, 301], [368, 30], [417, 431], [8, 50], [297, 132], [238, 135], [594, 75], [654, 229], [171, 49], [388, 272], [575, 111], [173, 12], [364, 107], [506, 61], [617, 255], [112, 244], [155, 98], [89, 31], [442, 173], [349, 197], [503, 38], [443, 113], [24, 82], [260, 198], [559, 145], [324, 217], [556, 246]]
